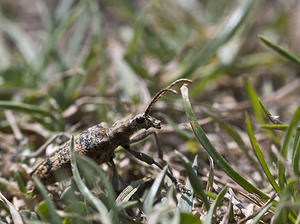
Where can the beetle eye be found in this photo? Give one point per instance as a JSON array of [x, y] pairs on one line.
[[140, 120]]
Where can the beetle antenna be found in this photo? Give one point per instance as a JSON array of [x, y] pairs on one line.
[[156, 97], [179, 81], [163, 91]]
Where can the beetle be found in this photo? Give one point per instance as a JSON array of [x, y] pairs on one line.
[[99, 143]]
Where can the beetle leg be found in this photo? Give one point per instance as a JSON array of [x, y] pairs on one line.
[[145, 134], [115, 178], [149, 160]]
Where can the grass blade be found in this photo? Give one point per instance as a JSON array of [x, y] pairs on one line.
[[53, 216], [29, 108], [16, 217], [288, 136], [256, 106], [280, 50], [126, 194], [238, 139], [97, 203], [261, 213], [234, 23], [260, 156], [23, 42], [212, 210], [193, 178], [219, 160], [77, 38], [85, 162], [280, 127], [148, 203], [189, 218], [296, 154], [186, 200]]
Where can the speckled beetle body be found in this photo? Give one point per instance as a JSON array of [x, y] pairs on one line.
[[99, 143], [96, 142]]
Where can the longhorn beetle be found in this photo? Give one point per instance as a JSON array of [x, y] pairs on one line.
[[99, 143]]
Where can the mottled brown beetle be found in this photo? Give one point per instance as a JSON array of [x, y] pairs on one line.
[[99, 143]]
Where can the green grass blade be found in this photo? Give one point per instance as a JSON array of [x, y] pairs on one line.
[[213, 208], [295, 161], [280, 50], [282, 210], [98, 38], [233, 24], [260, 156], [29, 108], [87, 162], [195, 181], [238, 139], [261, 213], [140, 24], [186, 200], [48, 50], [20, 182], [53, 216], [79, 34], [189, 218], [23, 42], [288, 137], [62, 9], [97, 203], [148, 203], [256, 107], [219, 160], [280, 127]]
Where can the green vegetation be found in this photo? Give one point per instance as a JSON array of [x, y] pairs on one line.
[[67, 65]]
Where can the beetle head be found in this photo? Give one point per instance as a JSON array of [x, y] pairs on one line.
[[146, 121]]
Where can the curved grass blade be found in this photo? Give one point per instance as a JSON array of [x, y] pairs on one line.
[[186, 200], [126, 194], [53, 216], [259, 155], [280, 50], [261, 213], [98, 204], [16, 217], [295, 162], [288, 136], [148, 203], [193, 178], [212, 210], [219, 160], [234, 23]]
